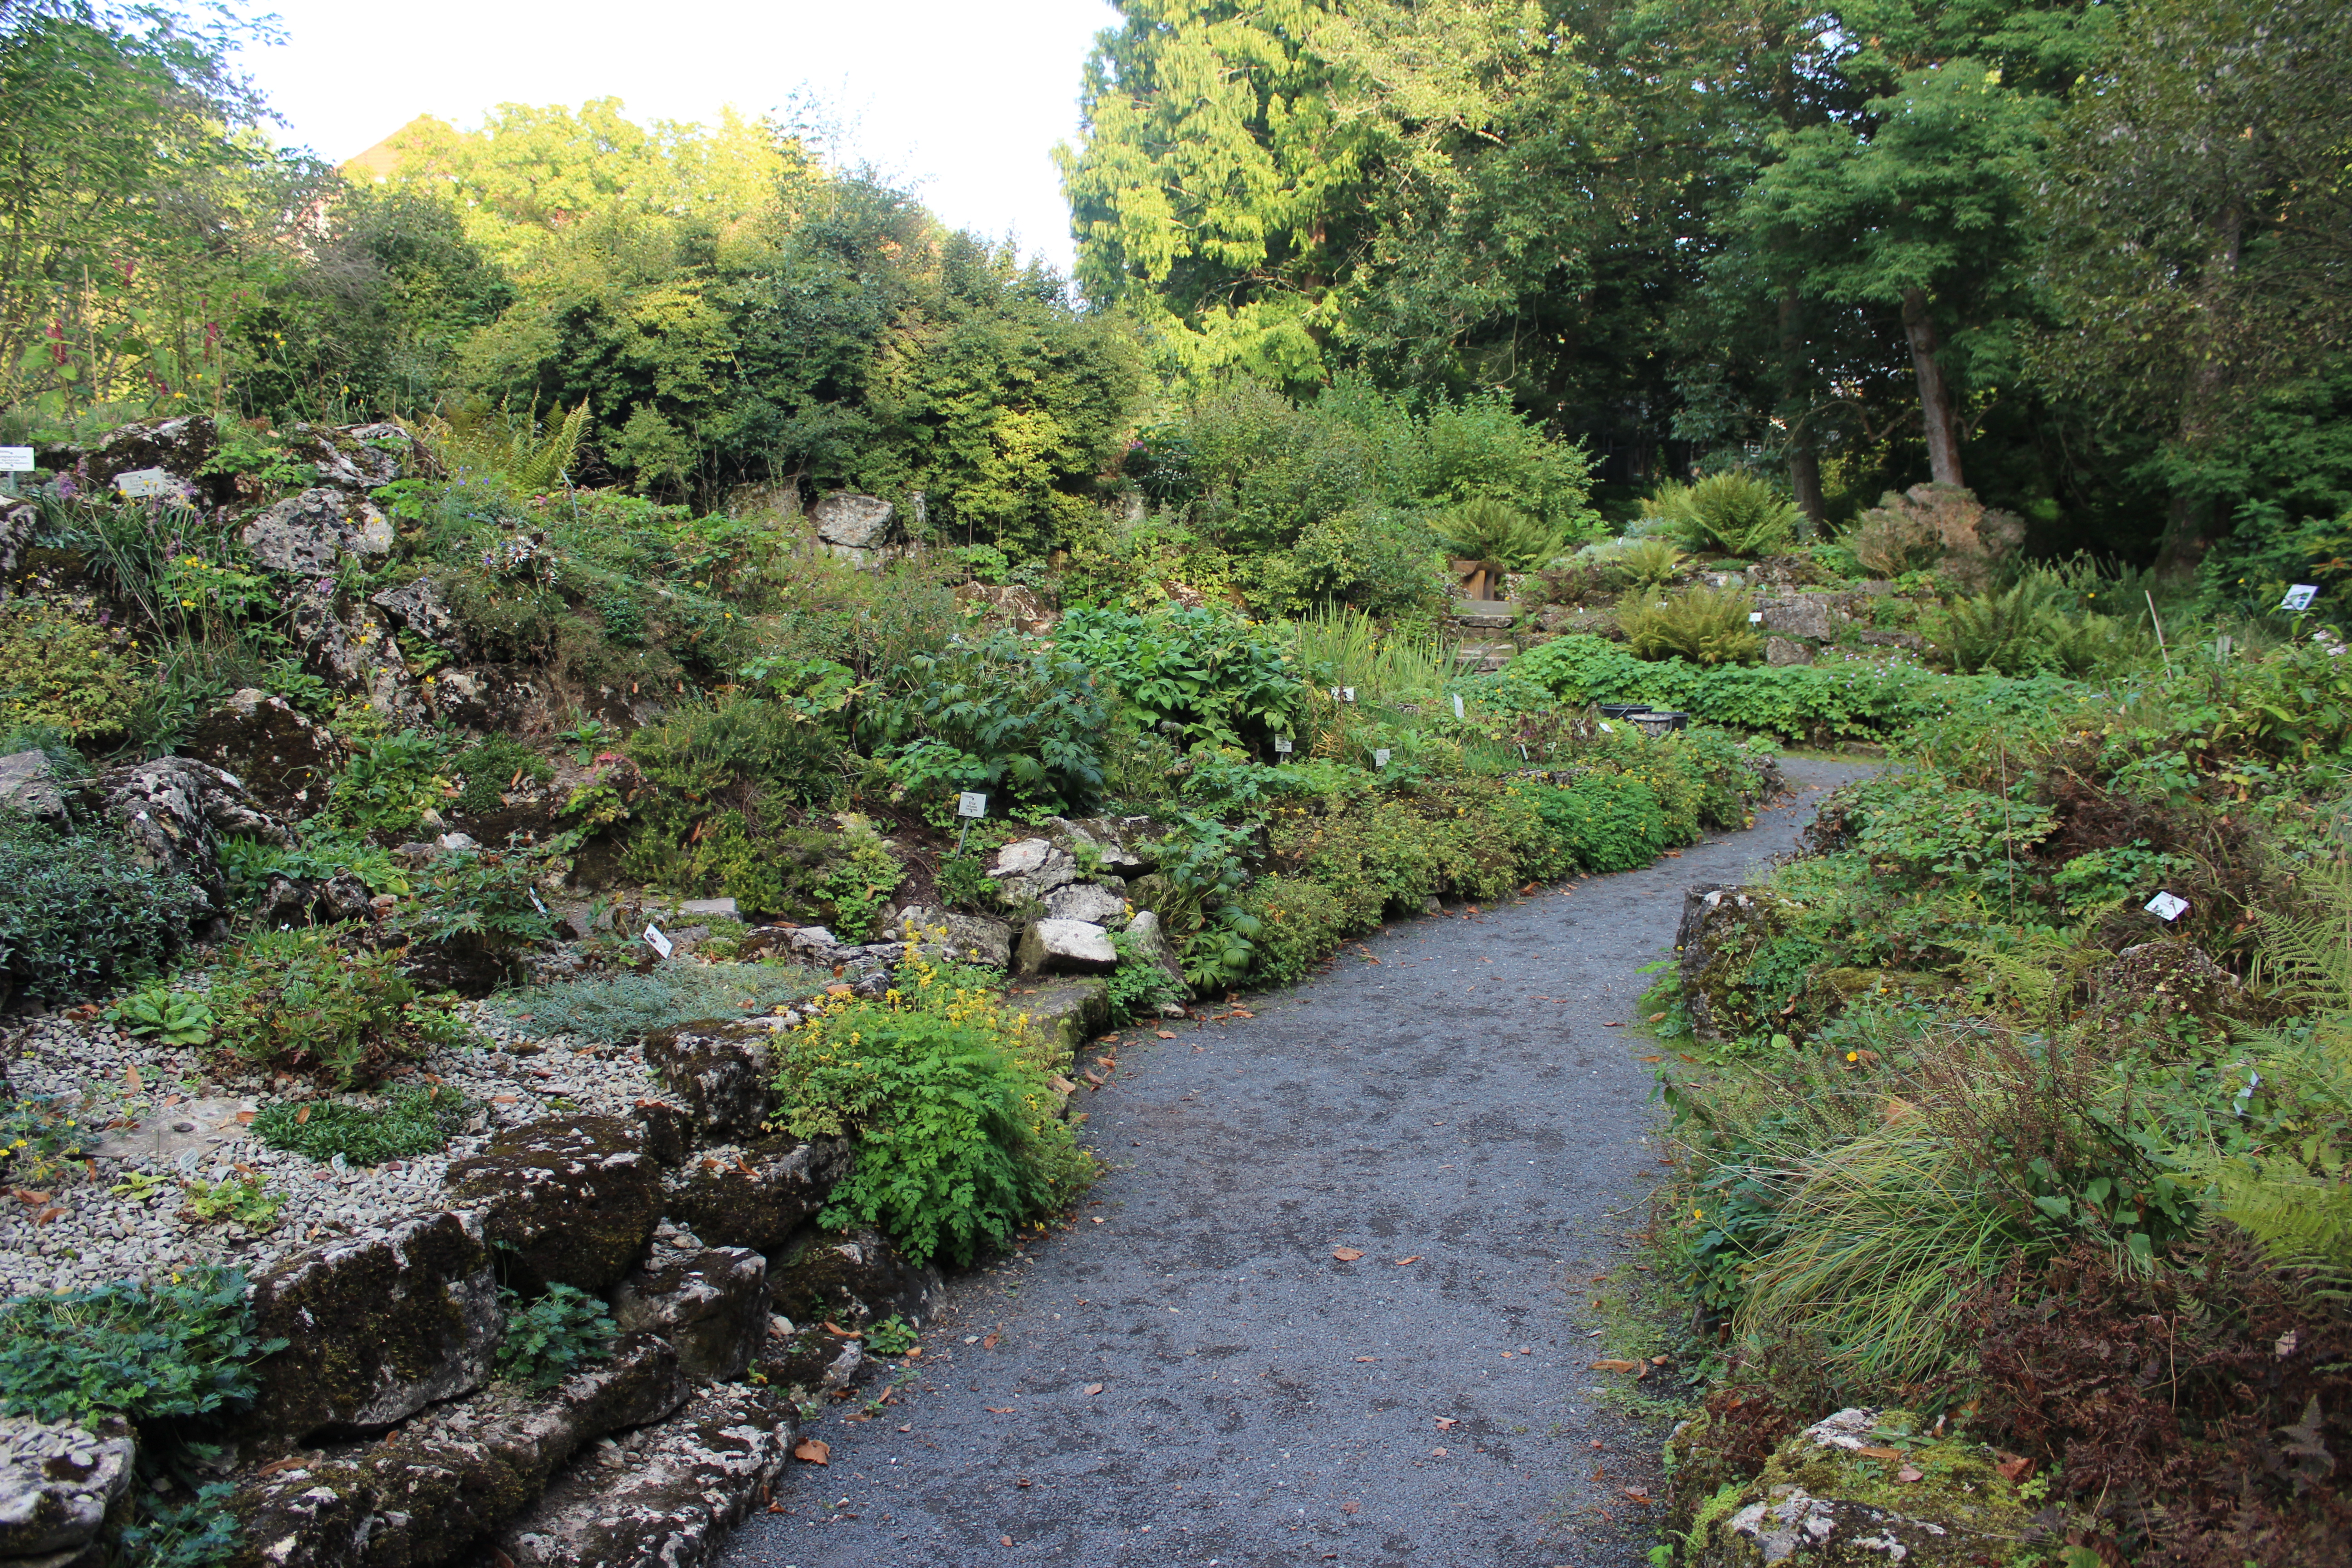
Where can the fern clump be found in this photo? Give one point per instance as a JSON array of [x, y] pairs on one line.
[[1736, 514], [1705, 625], [1487, 529]]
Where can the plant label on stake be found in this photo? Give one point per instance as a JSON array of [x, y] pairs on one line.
[[658, 942], [14, 461], [971, 804], [1457, 705], [2298, 598], [535, 902], [2168, 907], [1755, 617], [1381, 757], [1282, 745]]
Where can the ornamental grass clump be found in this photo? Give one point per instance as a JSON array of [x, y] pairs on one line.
[[960, 1141]]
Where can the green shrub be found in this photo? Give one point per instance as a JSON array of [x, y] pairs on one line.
[[562, 1329], [1215, 676], [1139, 987], [410, 1122], [615, 1008], [998, 716], [61, 670], [158, 1012], [1643, 563], [486, 770], [1705, 625], [299, 1002], [1608, 822], [389, 784], [960, 1139], [485, 896], [1734, 513], [1490, 530], [145, 1352], [855, 887], [81, 914]]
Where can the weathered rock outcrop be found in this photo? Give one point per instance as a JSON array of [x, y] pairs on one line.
[[1723, 929], [282, 758], [306, 535], [1065, 947], [968, 938], [1028, 868], [1145, 934], [377, 1328], [1066, 1014], [1094, 903], [712, 1307], [569, 1200], [853, 1280], [28, 785], [666, 1499], [57, 1479], [723, 1068], [1865, 1487], [174, 812], [757, 1195]]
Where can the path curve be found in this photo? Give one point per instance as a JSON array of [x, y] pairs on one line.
[[1460, 1103]]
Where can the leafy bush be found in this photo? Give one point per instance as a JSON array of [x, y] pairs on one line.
[[1942, 528], [1735, 513], [410, 1122], [1490, 530], [389, 784], [565, 1328], [1213, 675], [615, 1008], [299, 1002], [146, 1352], [247, 1200], [61, 670], [81, 914], [1643, 562], [488, 768], [1706, 626], [960, 1139], [485, 896], [174, 1017], [995, 716]]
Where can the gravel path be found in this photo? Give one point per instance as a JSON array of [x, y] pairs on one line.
[[1196, 1379]]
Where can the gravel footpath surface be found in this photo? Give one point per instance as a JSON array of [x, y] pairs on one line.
[[1196, 1379]]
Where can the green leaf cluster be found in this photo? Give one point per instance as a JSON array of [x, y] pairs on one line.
[[171, 1349], [552, 1334]]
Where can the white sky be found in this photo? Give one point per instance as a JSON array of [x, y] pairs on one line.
[[960, 100]]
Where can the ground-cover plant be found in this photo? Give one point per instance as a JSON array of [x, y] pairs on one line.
[[409, 1122], [548, 1336], [247, 1200], [304, 1001], [390, 782], [1206, 671], [168, 1350], [82, 912], [1706, 626], [1487, 529], [160, 1013], [611, 1010], [960, 1143]]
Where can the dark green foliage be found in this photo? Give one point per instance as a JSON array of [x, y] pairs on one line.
[[1607, 822], [564, 1329], [486, 771], [301, 1002], [410, 1121], [200, 1532], [389, 784], [614, 1008], [148, 1351], [1207, 671], [995, 716], [82, 914], [486, 896]]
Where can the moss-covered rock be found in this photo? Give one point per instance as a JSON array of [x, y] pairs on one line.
[[1064, 1013], [1727, 943], [712, 1307], [852, 1281], [724, 1068], [568, 1200], [756, 1196], [378, 1327], [1865, 1487], [315, 1516]]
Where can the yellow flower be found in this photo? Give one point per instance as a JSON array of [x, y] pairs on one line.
[[1853, 1055]]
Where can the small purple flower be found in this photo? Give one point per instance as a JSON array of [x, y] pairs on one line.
[[67, 489], [325, 586]]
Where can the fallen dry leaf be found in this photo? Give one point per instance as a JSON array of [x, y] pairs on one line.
[[2013, 1470], [1615, 1024], [1908, 1474], [1657, 1017], [1167, 1034], [1637, 1494], [908, 1427], [1350, 1506], [131, 1078], [833, 1328], [1367, 1358], [1347, 1254], [1649, 1059], [1094, 1388], [1402, 1261], [814, 1451], [244, 1118], [1437, 1453], [1004, 1541], [502, 1100], [1880, 1452], [1447, 1423], [301, 1115], [838, 991], [46, 1215], [998, 1409], [990, 1342], [1660, 1360], [1062, 1085], [1614, 1365]]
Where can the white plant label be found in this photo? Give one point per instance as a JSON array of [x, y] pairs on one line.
[[1605, 729], [1282, 745], [2168, 907], [147, 482], [971, 804], [15, 459], [1755, 617], [1347, 694], [1381, 758], [536, 903], [658, 942], [2298, 598], [1457, 705]]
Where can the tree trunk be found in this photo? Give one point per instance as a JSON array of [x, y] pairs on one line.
[[1804, 460], [1936, 408], [1805, 480]]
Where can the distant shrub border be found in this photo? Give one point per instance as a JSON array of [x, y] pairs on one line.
[[1837, 698]]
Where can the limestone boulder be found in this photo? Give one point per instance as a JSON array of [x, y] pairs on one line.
[[57, 1481], [1028, 868], [28, 785], [306, 535], [1148, 937], [806, 1362], [417, 607], [1723, 930], [853, 1280], [178, 447], [377, 1328], [693, 1477], [723, 1068], [316, 1515], [756, 1195], [1864, 1486], [283, 758], [1779, 652], [352, 650], [1064, 1013], [351, 457], [1065, 947], [567, 1200], [1095, 903], [965, 938], [712, 1308], [1127, 846], [854, 522], [174, 811]]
